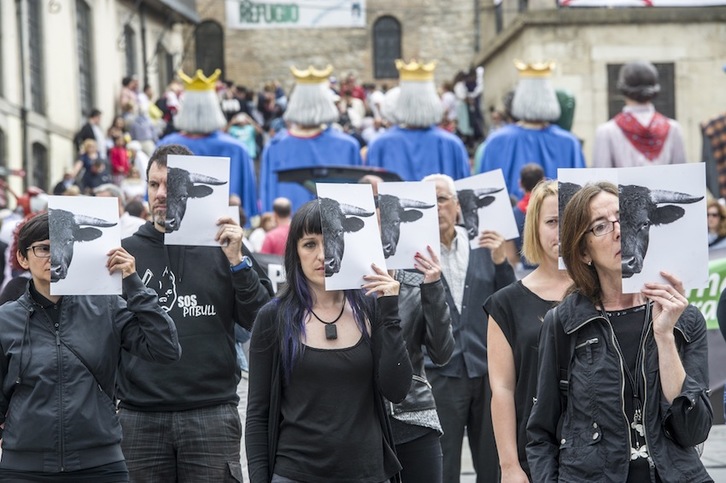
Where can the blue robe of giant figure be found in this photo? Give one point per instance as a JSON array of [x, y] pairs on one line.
[[286, 151], [513, 146], [415, 153]]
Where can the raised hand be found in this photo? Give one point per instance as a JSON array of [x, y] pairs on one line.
[[428, 265], [229, 237], [119, 260], [381, 283]]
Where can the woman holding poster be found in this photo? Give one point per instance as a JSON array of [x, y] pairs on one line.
[[622, 389], [321, 364], [515, 318], [58, 363]]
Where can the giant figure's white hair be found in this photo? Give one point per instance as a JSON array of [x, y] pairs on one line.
[[535, 100], [311, 104], [200, 113], [418, 104]]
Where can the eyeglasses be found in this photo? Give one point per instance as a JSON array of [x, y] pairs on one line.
[[714, 215], [443, 199], [41, 251], [603, 228]]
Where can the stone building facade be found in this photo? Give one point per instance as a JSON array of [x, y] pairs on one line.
[[61, 58], [688, 45], [588, 45], [448, 32]]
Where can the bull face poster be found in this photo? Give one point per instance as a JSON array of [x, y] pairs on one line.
[[662, 220], [663, 225], [350, 234], [409, 221], [485, 205], [197, 195], [82, 231]]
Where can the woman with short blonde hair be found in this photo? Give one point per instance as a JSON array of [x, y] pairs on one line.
[[515, 317]]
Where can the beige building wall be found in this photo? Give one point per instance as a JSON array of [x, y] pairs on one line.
[[431, 30], [62, 118]]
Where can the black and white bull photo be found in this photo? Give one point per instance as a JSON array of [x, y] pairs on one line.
[[640, 208], [182, 185], [66, 229], [645, 208], [470, 200], [338, 219], [395, 211]]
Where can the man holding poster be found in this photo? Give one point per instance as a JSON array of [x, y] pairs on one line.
[[180, 422], [461, 387]]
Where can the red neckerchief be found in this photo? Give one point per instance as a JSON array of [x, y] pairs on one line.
[[649, 140], [524, 203]]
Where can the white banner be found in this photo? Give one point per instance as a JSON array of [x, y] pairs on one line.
[[271, 14], [641, 3]]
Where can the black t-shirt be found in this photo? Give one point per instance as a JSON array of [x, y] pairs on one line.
[[628, 326], [329, 430], [519, 313]]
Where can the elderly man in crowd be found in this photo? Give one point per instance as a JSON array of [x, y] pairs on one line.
[[461, 387]]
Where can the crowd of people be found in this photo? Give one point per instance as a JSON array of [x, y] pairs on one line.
[[557, 376]]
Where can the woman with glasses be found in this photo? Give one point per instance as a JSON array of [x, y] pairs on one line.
[[515, 318], [716, 213], [58, 360], [622, 390]]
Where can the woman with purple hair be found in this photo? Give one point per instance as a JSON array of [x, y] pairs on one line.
[[321, 364]]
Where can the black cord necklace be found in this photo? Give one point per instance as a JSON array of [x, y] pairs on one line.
[[331, 331]]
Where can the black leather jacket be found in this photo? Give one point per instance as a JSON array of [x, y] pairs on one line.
[[425, 321], [593, 444]]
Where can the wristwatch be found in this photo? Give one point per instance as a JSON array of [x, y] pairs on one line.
[[245, 264]]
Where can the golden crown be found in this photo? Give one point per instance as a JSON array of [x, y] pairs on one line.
[[200, 82], [415, 71], [534, 69], [311, 75]]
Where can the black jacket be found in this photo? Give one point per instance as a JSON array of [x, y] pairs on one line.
[[483, 278], [425, 322], [205, 299], [392, 373], [593, 444], [58, 415]]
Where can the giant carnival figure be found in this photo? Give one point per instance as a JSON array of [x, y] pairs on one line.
[[309, 140], [534, 138], [416, 147], [639, 135], [200, 123]]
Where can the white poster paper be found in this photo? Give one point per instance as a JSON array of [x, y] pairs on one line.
[[485, 205], [82, 231], [197, 195], [663, 225], [350, 233], [409, 221]]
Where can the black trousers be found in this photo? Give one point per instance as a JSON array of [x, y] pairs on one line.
[[465, 404], [422, 459]]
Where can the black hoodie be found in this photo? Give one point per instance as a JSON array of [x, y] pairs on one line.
[[205, 299]]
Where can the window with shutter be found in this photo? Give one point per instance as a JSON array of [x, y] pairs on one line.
[[386, 47], [209, 40]]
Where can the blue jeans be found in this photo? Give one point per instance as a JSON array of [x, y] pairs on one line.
[[184, 446]]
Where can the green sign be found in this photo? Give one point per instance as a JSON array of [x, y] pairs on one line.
[[706, 299]]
